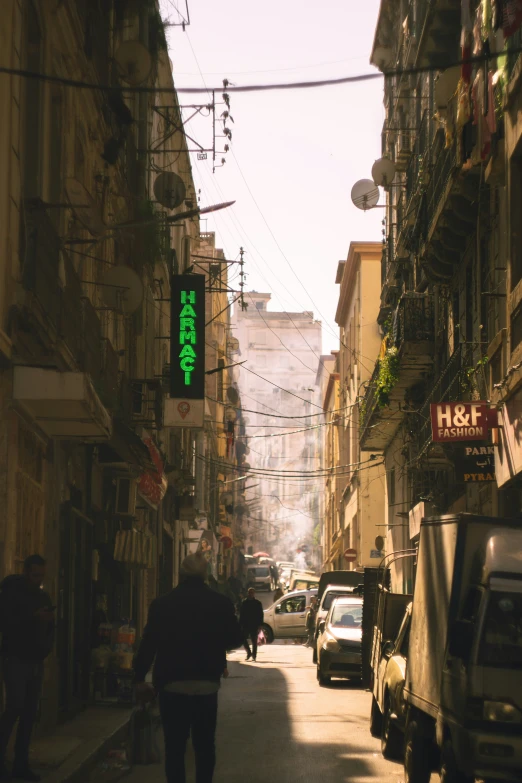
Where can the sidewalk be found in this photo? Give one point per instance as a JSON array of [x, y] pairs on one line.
[[67, 754]]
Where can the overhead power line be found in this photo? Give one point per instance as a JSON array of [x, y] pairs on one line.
[[362, 77]]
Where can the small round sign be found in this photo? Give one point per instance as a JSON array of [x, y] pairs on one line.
[[350, 555]]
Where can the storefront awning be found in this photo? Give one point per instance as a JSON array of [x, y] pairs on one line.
[[125, 448]]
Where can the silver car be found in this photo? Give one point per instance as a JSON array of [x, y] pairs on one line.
[[286, 619], [339, 641]]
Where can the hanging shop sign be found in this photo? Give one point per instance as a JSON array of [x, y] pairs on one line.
[[152, 485], [184, 413], [452, 422], [187, 339], [475, 463]]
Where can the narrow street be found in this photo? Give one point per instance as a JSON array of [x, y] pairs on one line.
[[276, 723]]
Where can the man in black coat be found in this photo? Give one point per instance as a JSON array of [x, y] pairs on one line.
[[251, 619], [188, 632], [27, 625]]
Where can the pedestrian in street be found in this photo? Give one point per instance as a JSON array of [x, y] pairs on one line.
[[27, 625], [311, 618], [279, 593], [188, 633], [251, 619]]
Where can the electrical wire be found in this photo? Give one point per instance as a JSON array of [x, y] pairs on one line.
[[305, 85]]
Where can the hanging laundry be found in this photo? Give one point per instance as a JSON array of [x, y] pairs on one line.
[[510, 16], [487, 14]]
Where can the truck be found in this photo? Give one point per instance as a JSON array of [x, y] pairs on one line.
[[463, 679]]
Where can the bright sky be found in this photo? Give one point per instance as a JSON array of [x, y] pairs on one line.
[[297, 153]]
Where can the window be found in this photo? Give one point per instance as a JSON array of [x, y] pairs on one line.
[[32, 104], [261, 360], [391, 487], [516, 328], [502, 636], [260, 305], [259, 337], [293, 605], [347, 616]]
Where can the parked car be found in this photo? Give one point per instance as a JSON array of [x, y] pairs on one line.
[[286, 619], [260, 577], [339, 641], [329, 595], [388, 715]]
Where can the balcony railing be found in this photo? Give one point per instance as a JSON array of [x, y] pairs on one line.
[[414, 319], [451, 386], [417, 160], [444, 163]]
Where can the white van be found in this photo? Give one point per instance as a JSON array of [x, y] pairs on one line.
[[260, 577]]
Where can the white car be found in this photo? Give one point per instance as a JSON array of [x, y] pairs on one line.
[[339, 641], [286, 619]]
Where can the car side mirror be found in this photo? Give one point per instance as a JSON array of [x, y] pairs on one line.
[[278, 609], [387, 649], [461, 640], [322, 626]]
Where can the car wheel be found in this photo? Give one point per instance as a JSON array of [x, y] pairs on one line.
[[269, 634], [417, 755], [392, 740], [375, 719], [449, 772], [322, 678]]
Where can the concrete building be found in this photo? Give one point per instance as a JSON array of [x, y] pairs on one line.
[[354, 491], [90, 475], [278, 393], [450, 301]]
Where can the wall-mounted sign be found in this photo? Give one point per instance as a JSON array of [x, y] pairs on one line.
[[350, 555], [475, 463], [153, 485], [187, 337], [184, 413], [459, 421], [376, 554]]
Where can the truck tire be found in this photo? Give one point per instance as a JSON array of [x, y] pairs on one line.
[[269, 634], [417, 755], [375, 719], [449, 772], [392, 740]]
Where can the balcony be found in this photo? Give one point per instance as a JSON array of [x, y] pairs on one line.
[[439, 26], [453, 385], [405, 361]]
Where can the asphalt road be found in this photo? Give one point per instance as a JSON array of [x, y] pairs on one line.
[[277, 724]]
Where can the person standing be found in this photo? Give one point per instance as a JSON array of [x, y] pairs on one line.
[[188, 633], [311, 618], [279, 593], [251, 619], [27, 625]]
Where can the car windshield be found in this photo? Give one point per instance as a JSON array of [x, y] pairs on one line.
[[502, 635], [346, 616], [329, 598], [259, 571]]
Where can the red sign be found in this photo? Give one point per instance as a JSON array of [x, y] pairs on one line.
[[459, 421], [350, 555], [152, 486]]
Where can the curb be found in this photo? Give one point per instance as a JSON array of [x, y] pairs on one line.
[[77, 766]]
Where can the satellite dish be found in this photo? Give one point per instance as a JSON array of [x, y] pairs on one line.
[[233, 344], [230, 414], [232, 395], [122, 289], [383, 172], [245, 466], [134, 62], [169, 189], [446, 85], [84, 207], [365, 194]]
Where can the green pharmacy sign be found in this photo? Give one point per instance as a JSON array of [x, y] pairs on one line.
[[187, 338]]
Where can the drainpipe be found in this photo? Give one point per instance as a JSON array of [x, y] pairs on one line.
[[143, 109]]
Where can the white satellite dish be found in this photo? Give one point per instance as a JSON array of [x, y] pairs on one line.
[[383, 172], [446, 86], [134, 62], [169, 189], [122, 289], [84, 207], [365, 194]]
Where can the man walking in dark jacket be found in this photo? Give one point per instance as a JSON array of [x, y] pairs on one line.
[[27, 625], [251, 619], [189, 631]]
